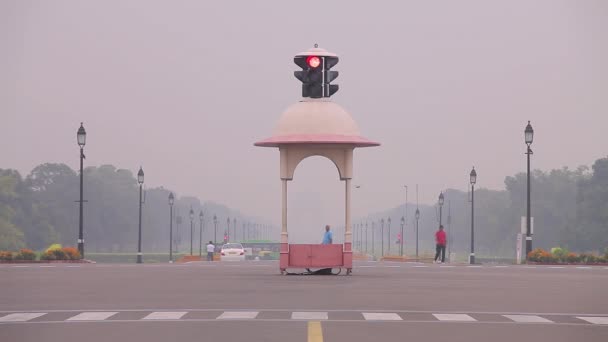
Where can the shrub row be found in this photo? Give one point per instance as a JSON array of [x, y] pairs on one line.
[[23, 254], [65, 253], [561, 255]]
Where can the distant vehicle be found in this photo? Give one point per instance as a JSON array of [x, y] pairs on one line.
[[232, 252]]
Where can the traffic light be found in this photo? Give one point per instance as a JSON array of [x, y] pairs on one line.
[[316, 75]]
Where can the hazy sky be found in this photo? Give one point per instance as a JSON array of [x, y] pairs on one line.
[[184, 88]]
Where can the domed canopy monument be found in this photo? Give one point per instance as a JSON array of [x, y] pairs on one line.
[[316, 126]]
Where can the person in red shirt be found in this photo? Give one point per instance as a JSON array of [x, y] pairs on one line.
[[440, 242]]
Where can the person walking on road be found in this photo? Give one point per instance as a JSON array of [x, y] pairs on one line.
[[210, 251], [440, 242], [328, 238]]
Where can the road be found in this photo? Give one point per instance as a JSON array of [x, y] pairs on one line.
[[250, 301]]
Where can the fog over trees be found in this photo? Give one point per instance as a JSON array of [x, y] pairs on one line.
[[570, 208], [41, 209]]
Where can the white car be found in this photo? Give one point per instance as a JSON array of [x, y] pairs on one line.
[[232, 252]]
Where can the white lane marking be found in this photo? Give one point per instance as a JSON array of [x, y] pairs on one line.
[[419, 266], [527, 319], [583, 267], [474, 266], [454, 317], [529, 266], [392, 266], [595, 320], [21, 317], [381, 316], [166, 315], [556, 266], [73, 266], [447, 266], [307, 315], [47, 266], [92, 316], [20, 266], [500, 266], [238, 315], [366, 266]]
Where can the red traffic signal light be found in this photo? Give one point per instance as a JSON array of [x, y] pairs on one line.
[[313, 61]]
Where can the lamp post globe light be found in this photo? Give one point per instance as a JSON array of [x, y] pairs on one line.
[[528, 137], [417, 214], [388, 221], [215, 229], [440, 202], [81, 138], [201, 216], [171, 201], [140, 180], [473, 180], [401, 239]]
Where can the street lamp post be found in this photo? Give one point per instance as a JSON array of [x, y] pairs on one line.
[[201, 216], [440, 202], [403, 222], [473, 179], [140, 180], [388, 221], [417, 218], [529, 137], [215, 229], [81, 137], [366, 237], [382, 233], [171, 201], [191, 229], [227, 232], [373, 238], [401, 239]]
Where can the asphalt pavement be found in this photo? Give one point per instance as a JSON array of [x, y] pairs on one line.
[[250, 301]]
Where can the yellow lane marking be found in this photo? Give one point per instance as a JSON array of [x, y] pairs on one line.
[[315, 333]]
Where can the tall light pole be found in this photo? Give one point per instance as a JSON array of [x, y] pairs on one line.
[[191, 229], [171, 201], [401, 239], [234, 226], [417, 214], [227, 232], [81, 137], [373, 238], [529, 137], [403, 222], [382, 233], [388, 221], [366, 237], [201, 216], [473, 179], [440, 202], [244, 232], [140, 180], [215, 230]]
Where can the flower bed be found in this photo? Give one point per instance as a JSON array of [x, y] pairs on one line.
[[53, 254], [562, 256]]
